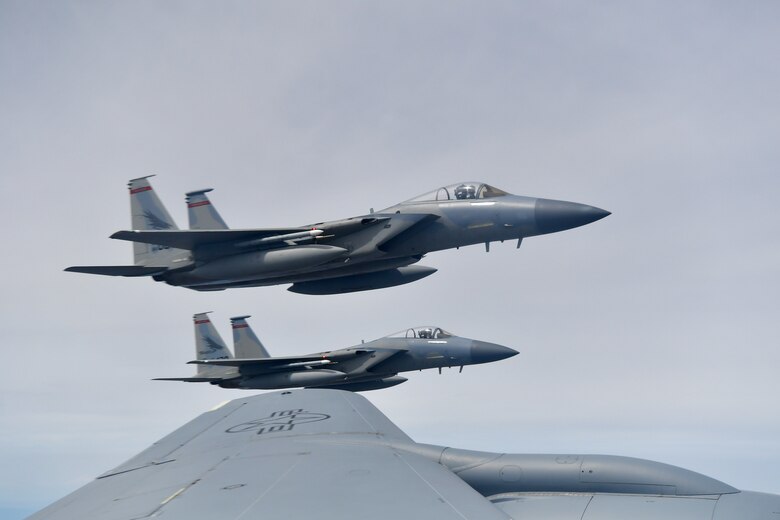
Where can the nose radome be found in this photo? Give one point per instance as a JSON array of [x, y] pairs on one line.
[[558, 215], [484, 352]]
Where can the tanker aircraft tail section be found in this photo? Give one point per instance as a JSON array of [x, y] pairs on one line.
[[330, 455]]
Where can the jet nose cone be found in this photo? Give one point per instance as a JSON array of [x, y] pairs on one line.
[[483, 352], [557, 215]]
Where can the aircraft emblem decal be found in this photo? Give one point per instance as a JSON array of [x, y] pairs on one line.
[[281, 421], [155, 222], [211, 347]]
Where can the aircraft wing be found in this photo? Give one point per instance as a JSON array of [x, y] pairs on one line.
[[194, 238], [277, 364], [299, 454], [270, 362]]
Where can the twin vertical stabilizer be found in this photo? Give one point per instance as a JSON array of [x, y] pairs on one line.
[[201, 212], [147, 212], [209, 345], [245, 343]]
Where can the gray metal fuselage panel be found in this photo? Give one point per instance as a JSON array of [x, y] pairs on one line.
[[330, 454], [324, 454]]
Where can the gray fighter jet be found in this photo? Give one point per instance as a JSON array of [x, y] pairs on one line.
[[368, 366], [355, 254], [331, 455]]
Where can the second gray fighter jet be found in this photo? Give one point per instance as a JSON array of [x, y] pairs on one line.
[[355, 254], [368, 366]]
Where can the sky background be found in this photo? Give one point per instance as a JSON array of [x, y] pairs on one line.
[[652, 333]]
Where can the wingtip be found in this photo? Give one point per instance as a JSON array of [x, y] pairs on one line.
[[142, 178], [198, 192], [119, 235]]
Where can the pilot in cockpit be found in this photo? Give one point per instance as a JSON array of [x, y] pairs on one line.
[[465, 191], [425, 333]]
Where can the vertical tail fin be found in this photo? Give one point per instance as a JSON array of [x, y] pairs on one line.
[[147, 212], [202, 213], [209, 345], [245, 342]]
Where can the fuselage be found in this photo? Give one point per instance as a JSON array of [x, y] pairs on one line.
[[393, 238], [377, 360]]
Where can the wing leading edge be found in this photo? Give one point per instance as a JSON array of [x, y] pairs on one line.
[[296, 454], [194, 238]]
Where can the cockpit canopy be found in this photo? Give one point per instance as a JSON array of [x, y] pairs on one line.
[[424, 332], [461, 191]]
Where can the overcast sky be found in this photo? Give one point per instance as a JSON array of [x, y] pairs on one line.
[[652, 333]]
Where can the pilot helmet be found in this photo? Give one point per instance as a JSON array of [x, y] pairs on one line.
[[465, 191], [425, 333]]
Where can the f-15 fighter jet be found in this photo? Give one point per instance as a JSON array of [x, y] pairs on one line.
[[369, 366], [354, 254]]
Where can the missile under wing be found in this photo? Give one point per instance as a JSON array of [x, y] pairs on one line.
[[329, 454]]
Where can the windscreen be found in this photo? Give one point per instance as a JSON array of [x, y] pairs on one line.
[[423, 332], [461, 191]]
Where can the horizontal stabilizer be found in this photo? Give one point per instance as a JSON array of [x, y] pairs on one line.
[[195, 238], [190, 379], [117, 270]]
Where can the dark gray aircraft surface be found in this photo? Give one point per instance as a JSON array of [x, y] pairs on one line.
[[331, 455], [355, 254], [368, 366]]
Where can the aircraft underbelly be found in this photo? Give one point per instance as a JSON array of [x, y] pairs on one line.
[[606, 506], [328, 270], [258, 265], [293, 379]]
